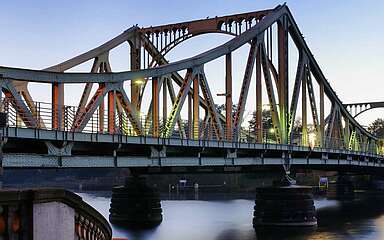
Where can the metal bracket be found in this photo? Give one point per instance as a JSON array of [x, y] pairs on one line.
[[231, 153], [287, 162], [158, 153], [66, 150], [324, 156]]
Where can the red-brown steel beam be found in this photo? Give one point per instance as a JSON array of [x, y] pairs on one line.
[[322, 122], [155, 107], [58, 106], [196, 130], [283, 76], [190, 116], [135, 65], [304, 110], [165, 114], [111, 111], [259, 99], [228, 96]]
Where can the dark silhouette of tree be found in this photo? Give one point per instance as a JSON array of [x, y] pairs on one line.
[[377, 128], [266, 120]]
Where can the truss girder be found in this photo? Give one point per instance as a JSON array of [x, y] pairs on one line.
[[238, 118], [19, 105], [296, 90], [101, 74], [312, 99], [130, 110], [84, 116], [172, 95], [270, 93], [179, 101], [212, 110]]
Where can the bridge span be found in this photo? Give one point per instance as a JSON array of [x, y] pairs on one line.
[[108, 127]]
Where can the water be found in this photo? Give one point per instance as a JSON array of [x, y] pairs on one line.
[[232, 220]]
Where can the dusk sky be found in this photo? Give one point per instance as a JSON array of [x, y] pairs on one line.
[[346, 37]]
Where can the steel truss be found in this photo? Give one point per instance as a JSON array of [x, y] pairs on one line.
[[261, 30]]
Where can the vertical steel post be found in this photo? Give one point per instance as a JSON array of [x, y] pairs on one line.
[[57, 106], [155, 107], [111, 111], [304, 137], [165, 114], [135, 65], [283, 77], [322, 120], [189, 115], [101, 112], [196, 102], [259, 99], [346, 132], [228, 96]]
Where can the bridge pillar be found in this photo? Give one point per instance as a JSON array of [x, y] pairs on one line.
[[284, 206], [135, 205], [341, 188]]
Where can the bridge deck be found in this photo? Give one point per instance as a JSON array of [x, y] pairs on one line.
[[113, 150]]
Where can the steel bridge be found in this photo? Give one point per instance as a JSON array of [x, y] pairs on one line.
[[108, 129]]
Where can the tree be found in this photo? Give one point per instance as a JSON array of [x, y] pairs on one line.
[[377, 128], [267, 125]]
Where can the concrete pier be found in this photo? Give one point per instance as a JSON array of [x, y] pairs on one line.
[[135, 205], [341, 188], [284, 206]]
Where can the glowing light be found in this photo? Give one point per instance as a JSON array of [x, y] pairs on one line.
[[312, 139], [271, 130], [266, 107], [139, 82]]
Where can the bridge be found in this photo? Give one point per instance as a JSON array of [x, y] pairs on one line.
[[111, 127]]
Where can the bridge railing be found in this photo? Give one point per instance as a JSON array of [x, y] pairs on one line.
[[43, 117]]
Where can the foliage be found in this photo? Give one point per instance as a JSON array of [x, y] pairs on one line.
[[377, 128]]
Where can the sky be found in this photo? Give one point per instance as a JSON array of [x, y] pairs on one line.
[[344, 36]]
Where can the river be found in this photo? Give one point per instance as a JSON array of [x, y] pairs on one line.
[[232, 220]]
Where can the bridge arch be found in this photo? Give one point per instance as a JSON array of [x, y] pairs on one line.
[[356, 109]]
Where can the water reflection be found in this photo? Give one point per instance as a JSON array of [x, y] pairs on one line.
[[232, 220]]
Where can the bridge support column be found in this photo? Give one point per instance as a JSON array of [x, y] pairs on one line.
[[135, 205], [341, 188], [284, 206]]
